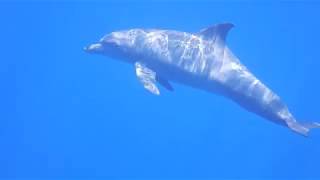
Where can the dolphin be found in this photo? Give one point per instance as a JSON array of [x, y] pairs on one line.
[[201, 60]]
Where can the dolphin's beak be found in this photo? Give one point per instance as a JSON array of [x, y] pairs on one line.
[[93, 48]]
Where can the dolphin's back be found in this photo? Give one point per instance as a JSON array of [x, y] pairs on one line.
[[186, 51], [201, 63], [204, 61]]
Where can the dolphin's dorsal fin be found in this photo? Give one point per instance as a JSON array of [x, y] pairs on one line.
[[218, 31]]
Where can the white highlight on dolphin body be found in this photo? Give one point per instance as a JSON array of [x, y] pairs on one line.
[[200, 60]]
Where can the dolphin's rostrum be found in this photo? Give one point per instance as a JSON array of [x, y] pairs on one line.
[[201, 60]]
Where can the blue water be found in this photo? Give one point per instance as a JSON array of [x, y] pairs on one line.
[[68, 114]]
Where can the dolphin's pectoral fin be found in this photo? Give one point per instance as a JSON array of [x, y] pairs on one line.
[[147, 77], [164, 83]]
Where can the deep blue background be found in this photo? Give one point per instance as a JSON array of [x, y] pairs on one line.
[[68, 114]]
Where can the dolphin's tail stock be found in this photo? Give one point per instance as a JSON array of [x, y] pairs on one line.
[[302, 128]]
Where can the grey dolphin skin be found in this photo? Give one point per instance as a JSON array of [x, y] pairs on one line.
[[201, 60]]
